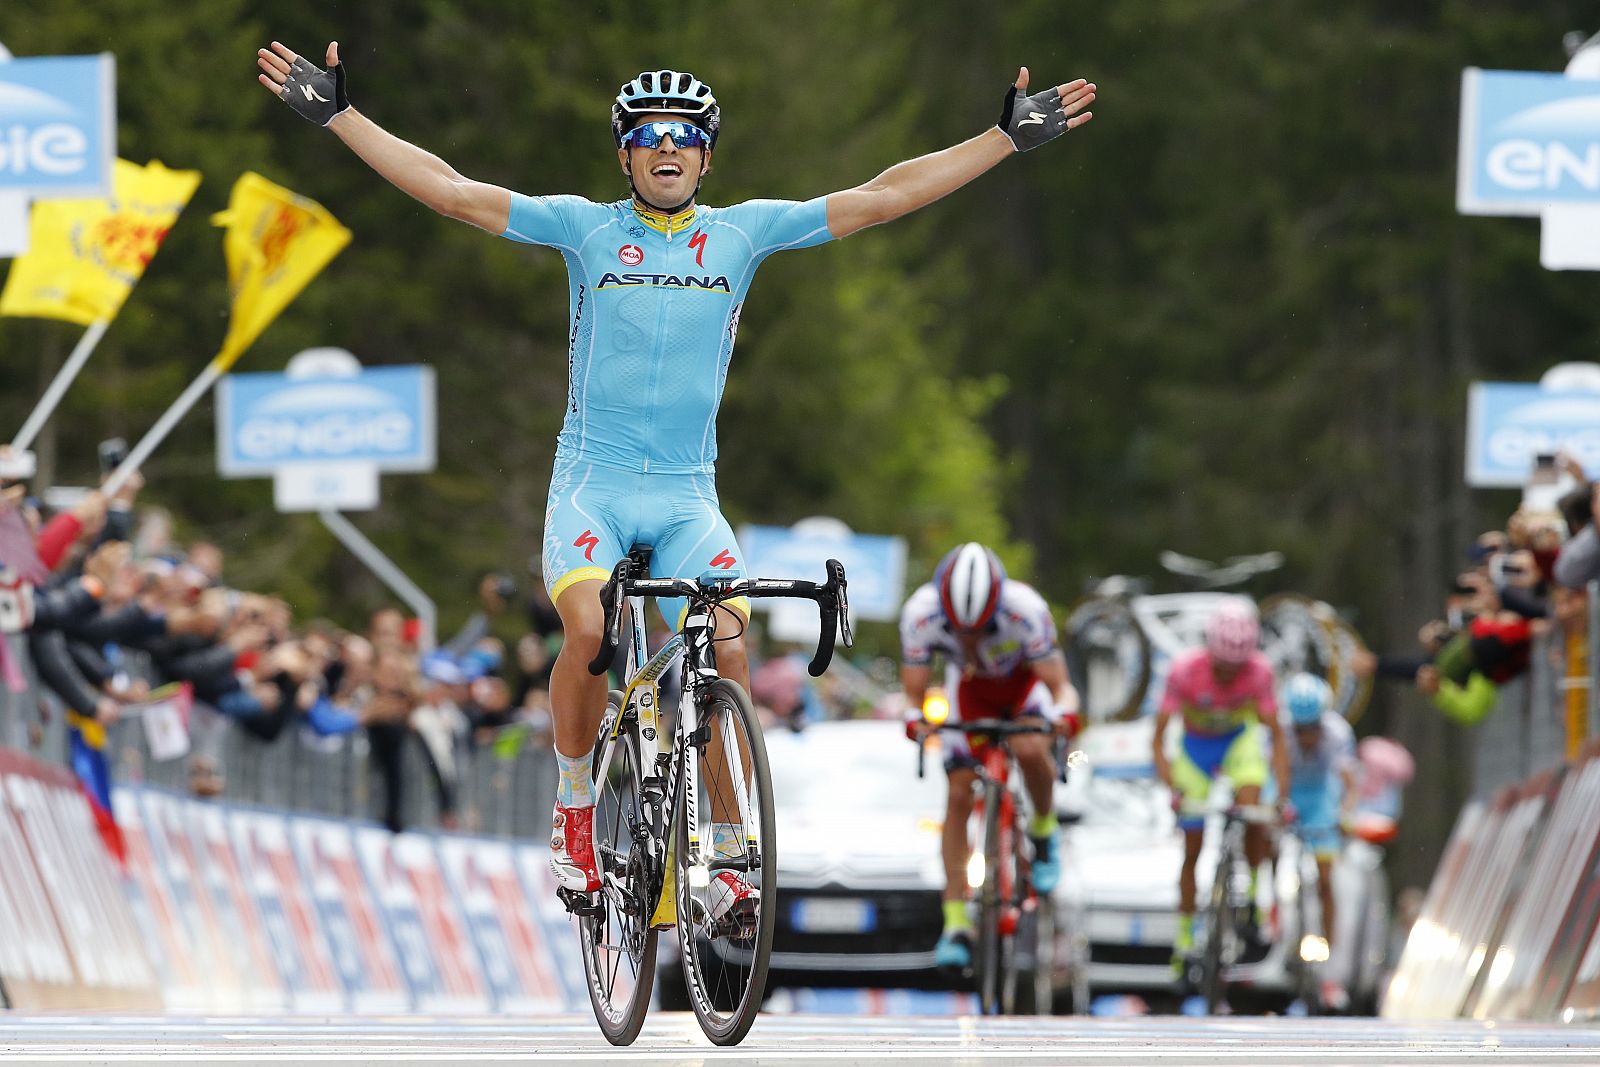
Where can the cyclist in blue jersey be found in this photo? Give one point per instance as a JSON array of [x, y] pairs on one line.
[[656, 283]]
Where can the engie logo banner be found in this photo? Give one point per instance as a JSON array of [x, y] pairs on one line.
[[1509, 423], [1528, 139], [58, 125]]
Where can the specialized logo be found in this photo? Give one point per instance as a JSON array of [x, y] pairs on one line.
[[587, 542], [1035, 118], [670, 281], [698, 243], [310, 93], [631, 256], [724, 560]]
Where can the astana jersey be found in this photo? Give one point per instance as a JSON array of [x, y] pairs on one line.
[[655, 307]]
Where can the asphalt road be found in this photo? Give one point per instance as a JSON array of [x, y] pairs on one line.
[[816, 1041]]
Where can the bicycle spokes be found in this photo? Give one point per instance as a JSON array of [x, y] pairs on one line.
[[619, 947], [728, 883]]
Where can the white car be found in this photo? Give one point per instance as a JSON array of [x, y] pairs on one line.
[[860, 878]]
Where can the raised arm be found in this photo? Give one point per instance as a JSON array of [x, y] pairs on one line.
[[1025, 123], [319, 96]]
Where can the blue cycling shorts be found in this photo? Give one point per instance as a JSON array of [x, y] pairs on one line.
[[596, 514]]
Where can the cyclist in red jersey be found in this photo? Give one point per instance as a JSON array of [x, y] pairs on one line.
[[998, 641]]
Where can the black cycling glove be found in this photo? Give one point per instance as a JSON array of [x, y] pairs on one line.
[[317, 94], [1030, 121]]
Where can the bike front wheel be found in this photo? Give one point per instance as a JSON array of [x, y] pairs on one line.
[[727, 868], [618, 944], [991, 941]]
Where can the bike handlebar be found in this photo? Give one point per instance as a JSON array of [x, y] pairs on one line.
[[829, 596], [997, 728]]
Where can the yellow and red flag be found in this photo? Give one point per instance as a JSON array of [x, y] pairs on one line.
[[277, 241], [84, 256]]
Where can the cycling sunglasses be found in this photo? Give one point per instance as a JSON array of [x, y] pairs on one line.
[[651, 134]]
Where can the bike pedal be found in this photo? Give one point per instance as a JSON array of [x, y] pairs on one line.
[[581, 904]]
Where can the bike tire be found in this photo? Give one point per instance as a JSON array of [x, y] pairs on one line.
[[1219, 926], [618, 946], [726, 986], [990, 951], [1104, 640]]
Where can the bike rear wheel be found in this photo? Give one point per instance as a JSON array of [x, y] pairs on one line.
[[989, 964], [618, 945], [725, 958]]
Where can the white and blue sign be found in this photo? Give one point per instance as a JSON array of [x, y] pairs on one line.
[[383, 416], [58, 126], [1528, 139], [874, 565], [1509, 423]]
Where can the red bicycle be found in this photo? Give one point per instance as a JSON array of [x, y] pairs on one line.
[[1012, 920]]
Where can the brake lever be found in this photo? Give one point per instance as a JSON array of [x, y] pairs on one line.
[[837, 579]]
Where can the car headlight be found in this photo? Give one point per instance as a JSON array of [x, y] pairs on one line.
[[1314, 949], [975, 870], [935, 707]]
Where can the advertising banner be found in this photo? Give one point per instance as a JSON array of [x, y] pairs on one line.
[[383, 417], [58, 125], [1528, 139], [1522, 955], [361, 948], [35, 968], [170, 831], [557, 928], [262, 982], [1509, 423], [278, 891], [874, 564], [435, 951], [167, 929], [86, 898], [517, 964]]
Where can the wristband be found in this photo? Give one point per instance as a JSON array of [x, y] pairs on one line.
[[1030, 121], [315, 94]]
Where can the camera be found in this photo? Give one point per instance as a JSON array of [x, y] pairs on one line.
[[112, 452], [504, 587]]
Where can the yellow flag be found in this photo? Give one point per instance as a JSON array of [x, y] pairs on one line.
[[277, 241], [84, 256]]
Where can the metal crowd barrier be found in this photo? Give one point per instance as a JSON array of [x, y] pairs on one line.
[[503, 795]]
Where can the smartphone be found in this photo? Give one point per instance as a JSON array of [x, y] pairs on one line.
[[112, 452], [1545, 460]]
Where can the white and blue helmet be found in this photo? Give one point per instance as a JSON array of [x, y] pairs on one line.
[[1306, 697], [671, 92]]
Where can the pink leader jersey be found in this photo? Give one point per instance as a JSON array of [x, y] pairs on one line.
[[1208, 706]]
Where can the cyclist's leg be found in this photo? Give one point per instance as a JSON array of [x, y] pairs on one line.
[[955, 940], [1192, 771], [1245, 765], [581, 545], [1035, 756], [681, 517]]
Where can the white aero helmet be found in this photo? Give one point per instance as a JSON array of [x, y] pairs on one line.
[[968, 580], [671, 92]]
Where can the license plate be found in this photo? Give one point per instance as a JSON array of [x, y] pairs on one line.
[[822, 915]]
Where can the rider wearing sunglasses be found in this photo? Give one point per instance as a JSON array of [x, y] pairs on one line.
[[656, 283]]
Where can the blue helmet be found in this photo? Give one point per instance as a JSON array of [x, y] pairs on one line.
[[1306, 697], [668, 92]]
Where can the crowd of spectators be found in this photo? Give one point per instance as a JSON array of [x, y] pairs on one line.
[[107, 624], [1528, 579]]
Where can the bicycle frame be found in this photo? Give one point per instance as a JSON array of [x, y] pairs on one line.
[[642, 699], [996, 767]]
